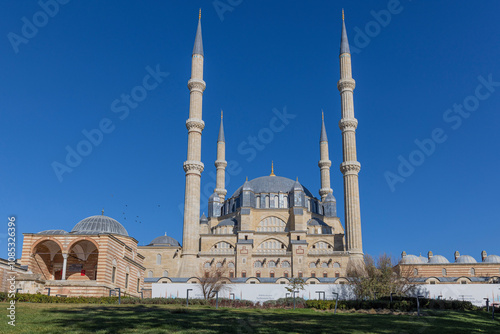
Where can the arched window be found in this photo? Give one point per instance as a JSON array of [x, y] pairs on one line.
[[415, 272], [267, 202], [158, 258], [472, 271], [285, 201], [271, 264], [165, 273], [444, 272], [285, 264], [207, 265], [230, 265], [150, 273], [272, 224], [257, 264], [336, 265], [325, 265], [312, 265], [218, 265], [257, 203], [276, 202]]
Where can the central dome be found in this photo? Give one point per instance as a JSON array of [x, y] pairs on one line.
[[271, 184], [99, 224]]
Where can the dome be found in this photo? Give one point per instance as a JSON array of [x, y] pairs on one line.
[[438, 259], [228, 222], [316, 222], [423, 259], [492, 259], [270, 184], [164, 240], [53, 232], [99, 224], [411, 259], [465, 259]]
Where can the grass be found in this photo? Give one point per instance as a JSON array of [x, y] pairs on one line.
[[91, 318]]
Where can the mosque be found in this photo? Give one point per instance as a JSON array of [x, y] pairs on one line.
[[270, 229]]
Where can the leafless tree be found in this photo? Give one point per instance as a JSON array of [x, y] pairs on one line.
[[380, 276], [212, 279]]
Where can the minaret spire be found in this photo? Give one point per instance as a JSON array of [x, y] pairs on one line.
[[193, 165], [324, 162], [221, 163], [350, 167], [272, 169]]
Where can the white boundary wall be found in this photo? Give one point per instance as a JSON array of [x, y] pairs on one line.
[[262, 292]]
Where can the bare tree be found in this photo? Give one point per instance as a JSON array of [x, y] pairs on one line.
[[296, 284], [213, 279], [380, 276]]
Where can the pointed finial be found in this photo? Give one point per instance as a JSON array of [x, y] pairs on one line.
[[297, 179], [342, 14], [247, 178], [165, 233], [272, 169], [199, 15], [221, 114], [102, 212], [322, 115]]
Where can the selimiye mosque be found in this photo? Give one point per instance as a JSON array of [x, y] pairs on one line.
[[270, 229]]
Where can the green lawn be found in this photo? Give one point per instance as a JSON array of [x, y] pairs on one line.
[[91, 318]]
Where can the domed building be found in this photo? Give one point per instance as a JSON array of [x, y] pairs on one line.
[[96, 257]]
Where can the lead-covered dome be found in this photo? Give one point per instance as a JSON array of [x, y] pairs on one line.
[[438, 259], [492, 259], [99, 224], [164, 240], [411, 259], [465, 259], [270, 184]]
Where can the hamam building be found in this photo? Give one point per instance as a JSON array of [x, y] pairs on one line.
[[270, 229]]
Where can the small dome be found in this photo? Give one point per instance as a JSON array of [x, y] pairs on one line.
[[99, 224], [203, 219], [316, 222], [228, 222], [53, 232], [411, 259], [465, 259], [437, 259], [423, 259], [164, 240], [330, 198], [492, 259]]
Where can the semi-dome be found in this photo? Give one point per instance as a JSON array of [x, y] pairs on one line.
[[465, 259], [492, 259], [316, 222], [270, 184], [438, 259], [99, 224], [228, 222], [54, 232], [164, 240]]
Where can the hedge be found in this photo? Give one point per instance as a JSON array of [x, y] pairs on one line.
[[403, 304]]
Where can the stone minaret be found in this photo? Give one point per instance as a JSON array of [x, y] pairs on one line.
[[350, 166], [221, 163], [193, 165], [324, 163]]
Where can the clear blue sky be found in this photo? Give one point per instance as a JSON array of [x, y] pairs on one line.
[[259, 56]]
